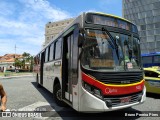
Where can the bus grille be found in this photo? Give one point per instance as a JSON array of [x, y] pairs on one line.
[[121, 78], [123, 100]]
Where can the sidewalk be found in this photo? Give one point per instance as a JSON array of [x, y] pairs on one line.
[[16, 76]]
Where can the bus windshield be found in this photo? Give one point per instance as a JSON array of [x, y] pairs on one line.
[[98, 53]]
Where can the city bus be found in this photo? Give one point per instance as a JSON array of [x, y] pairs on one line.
[[151, 59], [94, 64]]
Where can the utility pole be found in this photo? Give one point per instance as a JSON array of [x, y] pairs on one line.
[[15, 58]]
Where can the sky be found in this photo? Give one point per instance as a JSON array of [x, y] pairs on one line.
[[22, 22]]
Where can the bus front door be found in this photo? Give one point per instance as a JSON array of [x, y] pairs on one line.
[[41, 67], [67, 68]]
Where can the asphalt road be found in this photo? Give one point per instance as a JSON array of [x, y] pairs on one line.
[[23, 93]]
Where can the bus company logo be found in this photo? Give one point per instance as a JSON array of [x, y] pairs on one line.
[[110, 90], [138, 87]]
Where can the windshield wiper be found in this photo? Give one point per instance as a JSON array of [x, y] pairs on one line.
[[112, 42], [112, 39]]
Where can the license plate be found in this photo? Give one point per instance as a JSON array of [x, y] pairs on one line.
[[125, 99]]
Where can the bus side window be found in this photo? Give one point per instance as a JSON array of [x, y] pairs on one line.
[[51, 55], [75, 55], [147, 73], [46, 55], [35, 60], [58, 48], [151, 74]]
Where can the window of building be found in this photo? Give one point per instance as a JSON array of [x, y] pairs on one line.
[[58, 47], [157, 25], [142, 33], [157, 38], [156, 12], [149, 13], [150, 26], [156, 19], [150, 45], [143, 39], [157, 31], [143, 27], [158, 43], [150, 32]]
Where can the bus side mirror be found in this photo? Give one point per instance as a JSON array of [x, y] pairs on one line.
[[81, 38]]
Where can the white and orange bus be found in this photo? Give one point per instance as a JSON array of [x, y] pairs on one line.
[[94, 64]]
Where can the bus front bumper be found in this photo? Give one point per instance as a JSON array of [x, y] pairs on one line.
[[90, 103]]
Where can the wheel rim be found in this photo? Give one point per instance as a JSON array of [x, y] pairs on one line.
[[58, 94]]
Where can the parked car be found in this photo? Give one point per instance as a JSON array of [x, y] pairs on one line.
[[152, 79]]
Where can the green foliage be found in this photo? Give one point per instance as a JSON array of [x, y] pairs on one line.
[[27, 58]]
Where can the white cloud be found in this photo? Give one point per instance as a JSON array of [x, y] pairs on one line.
[[6, 9], [23, 23], [44, 10]]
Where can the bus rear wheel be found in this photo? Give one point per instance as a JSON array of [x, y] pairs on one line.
[[57, 96]]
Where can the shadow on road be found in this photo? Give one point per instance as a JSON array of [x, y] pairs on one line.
[[67, 113]]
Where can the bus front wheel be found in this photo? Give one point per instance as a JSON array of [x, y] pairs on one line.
[[57, 95]]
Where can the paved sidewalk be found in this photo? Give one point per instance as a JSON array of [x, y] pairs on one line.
[[17, 76]]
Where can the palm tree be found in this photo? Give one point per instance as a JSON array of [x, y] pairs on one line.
[[26, 58]]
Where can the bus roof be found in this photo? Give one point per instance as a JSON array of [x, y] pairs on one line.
[[77, 20]]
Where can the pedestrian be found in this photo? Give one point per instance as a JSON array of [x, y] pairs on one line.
[[3, 100]]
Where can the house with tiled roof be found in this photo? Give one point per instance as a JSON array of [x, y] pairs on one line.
[[7, 61]]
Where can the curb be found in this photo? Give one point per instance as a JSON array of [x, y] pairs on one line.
[[16, 76]]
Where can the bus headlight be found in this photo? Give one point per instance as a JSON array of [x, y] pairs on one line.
[[87, 87], [96, 92]]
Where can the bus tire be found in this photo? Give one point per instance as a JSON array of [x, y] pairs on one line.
[[37, 83], [57, 96]]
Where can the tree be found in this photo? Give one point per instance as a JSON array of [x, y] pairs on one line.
[[31, 65], [21, 62], [18, 63], [27, 58]]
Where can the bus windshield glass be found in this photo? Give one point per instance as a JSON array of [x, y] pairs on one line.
[[98, 54]]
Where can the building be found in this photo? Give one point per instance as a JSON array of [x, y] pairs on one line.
[[146, 15], [7, 61], [54, 28]]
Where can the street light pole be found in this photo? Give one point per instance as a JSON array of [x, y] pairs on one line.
[[15, 58]]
